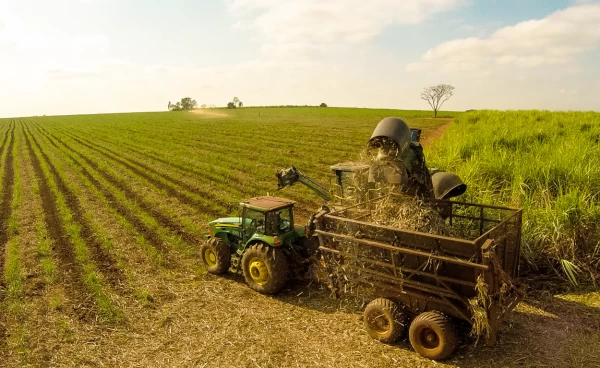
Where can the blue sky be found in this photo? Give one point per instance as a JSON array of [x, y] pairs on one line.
[[89, 56]]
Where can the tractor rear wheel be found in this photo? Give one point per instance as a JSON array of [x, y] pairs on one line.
[[433, 335], [265, 268], [216, 256], [384, 320]]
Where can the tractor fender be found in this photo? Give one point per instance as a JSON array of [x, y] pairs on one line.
[[287, 249], [255, 242], [223, 236], [252, 242]]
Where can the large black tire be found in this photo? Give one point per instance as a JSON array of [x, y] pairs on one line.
[[433, 335], [385, 321], [266, 269], [216, 256]]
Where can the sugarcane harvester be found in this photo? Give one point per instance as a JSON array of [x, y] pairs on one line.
[[396, 159]]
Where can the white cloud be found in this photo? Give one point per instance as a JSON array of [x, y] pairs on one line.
[[96, 43], [87, 69], [28, 53], [9, 25], [557, 40], [305, 26], [6, 45], [292, 49], [158, 68], [567, 91]]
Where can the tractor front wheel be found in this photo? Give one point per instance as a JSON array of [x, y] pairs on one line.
[[385, 321], [265, 268], [433, 335], [216, 256]]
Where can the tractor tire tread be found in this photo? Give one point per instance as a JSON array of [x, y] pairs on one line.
[[222, 253], [277, 265]]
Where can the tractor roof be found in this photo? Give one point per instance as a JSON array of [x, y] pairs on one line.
[[268, 202]]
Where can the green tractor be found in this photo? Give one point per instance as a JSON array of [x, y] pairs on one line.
[[263, 243]]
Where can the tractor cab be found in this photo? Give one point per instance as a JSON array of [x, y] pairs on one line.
[[267, 217]]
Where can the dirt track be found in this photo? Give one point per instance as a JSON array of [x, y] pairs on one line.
[[434, 135]]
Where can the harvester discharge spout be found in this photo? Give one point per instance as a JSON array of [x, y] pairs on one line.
[[397, 158]]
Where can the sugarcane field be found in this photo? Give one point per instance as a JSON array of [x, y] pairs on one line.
[[392, 225], [105, 260]]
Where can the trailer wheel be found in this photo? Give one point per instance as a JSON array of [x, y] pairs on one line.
[[433, 335], [265, 268], [384, 320], [216, 256]]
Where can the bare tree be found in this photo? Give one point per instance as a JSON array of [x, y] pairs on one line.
[[236, 101], [437, 95]]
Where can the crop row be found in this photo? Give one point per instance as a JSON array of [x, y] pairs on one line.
[[9, 286], [135, 210], [81, 188], [231, 175]]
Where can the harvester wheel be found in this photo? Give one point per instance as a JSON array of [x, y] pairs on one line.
[[216, 256], [385, 321], [265, 268], [433, 335]]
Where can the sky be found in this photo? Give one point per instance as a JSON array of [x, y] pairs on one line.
[[97, 56]]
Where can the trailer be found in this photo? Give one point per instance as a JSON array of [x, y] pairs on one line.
[[426, 283]]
